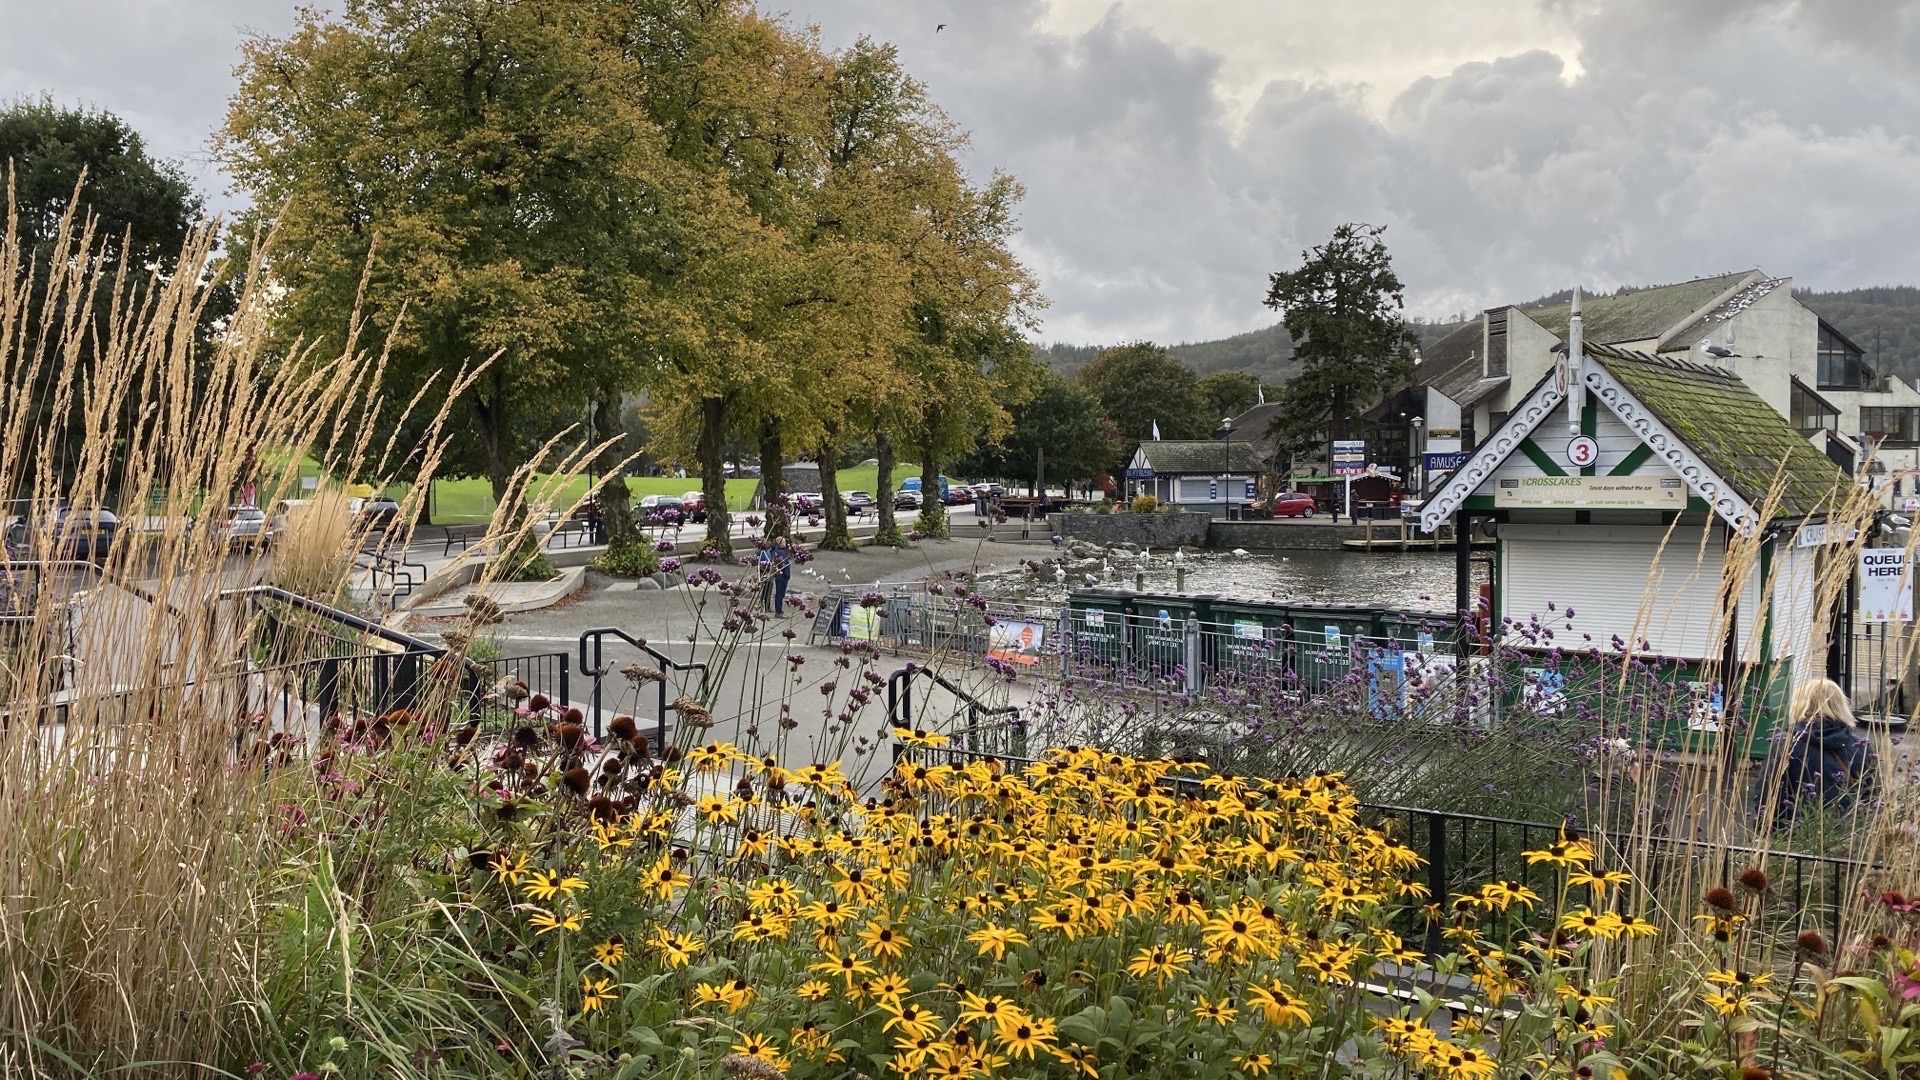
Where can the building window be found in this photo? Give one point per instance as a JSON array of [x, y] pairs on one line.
[[1891, 426], [1810, 412], [1841, 366]]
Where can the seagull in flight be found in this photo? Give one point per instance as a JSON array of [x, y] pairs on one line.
[[939, 28]]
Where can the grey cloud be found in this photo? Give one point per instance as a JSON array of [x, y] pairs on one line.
[[1698, 136]]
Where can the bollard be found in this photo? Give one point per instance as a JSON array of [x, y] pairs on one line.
[[1139, 581]]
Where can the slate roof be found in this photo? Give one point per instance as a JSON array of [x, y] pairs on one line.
[[1453, 367], [1642, 315], [1709, 324], [1206, 457], [1729, 427], [1255, 426]]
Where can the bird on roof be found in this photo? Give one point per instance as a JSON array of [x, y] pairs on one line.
[[1720, 351]]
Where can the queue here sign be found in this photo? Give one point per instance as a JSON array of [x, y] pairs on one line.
[[1886, 587]]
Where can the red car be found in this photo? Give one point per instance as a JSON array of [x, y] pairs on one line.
[[1292, 504], [694, 505]]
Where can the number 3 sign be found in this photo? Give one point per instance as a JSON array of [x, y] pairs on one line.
[[1582, 451]]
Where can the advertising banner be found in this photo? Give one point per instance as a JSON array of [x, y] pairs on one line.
[[1591, 492], [1886, 588], [1016, 642]]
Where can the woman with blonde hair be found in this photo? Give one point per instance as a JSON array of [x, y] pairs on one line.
[[1827, 760]]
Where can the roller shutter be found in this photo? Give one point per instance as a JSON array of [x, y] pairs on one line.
[[1608, 576]]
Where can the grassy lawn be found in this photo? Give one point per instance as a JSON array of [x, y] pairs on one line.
[[470, 500]]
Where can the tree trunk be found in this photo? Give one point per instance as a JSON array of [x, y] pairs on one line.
[[837, 537], [889, 532], [616, 502], [933, 516], [489, 415], [773, 478], [713, 474]]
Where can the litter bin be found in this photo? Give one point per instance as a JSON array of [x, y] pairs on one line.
[[1097, 627], [1327, 640], [1160, 630], [1248, 637]]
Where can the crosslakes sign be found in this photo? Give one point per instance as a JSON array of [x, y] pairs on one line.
[[1591, 492]]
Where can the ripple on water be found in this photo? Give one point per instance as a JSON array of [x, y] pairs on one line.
[[1395, 580]]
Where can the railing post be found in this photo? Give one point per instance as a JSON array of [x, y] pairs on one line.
[[567, 696], [1066, 640], [1190, 654], [1436, 876], [326, 692]]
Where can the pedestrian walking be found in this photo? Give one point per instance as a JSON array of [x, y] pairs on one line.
[[782, 573], [1827, 761]]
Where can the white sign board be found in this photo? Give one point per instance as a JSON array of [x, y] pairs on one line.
[[1591, 492], [1886, 588]]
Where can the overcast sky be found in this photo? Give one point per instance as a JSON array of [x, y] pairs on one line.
[[1176, 151]]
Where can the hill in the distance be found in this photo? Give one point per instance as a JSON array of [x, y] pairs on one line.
[[1884, 321]]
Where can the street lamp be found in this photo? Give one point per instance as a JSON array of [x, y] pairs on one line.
[[1420, 452], [1226, 466]]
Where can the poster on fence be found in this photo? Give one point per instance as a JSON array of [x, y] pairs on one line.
[[1429, 678], [1016, 642], [1386, 696], [859, 622]]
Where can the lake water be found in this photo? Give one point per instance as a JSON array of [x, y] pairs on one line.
[[1416, 581]]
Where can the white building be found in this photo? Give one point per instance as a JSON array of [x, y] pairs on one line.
[[1746, 323]]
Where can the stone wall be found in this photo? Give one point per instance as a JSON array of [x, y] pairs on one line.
[[1146, 530], [1291, 536]]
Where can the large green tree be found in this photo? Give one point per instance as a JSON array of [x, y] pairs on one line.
[[474, 180], [1060, 435], [93, 166], [1229, 393], [1141, 386], [1342, 309]]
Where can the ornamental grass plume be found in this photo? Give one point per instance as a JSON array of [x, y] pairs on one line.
[[133, 827]]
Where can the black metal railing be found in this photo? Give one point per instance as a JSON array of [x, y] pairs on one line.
[[1463, 851], [400, 575], [595, 667], [540, 673], [996, 730]]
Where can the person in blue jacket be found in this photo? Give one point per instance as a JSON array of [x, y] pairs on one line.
[[1827, 760]]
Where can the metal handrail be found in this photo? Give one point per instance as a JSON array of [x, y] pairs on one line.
[[900, 702], [597, 669]]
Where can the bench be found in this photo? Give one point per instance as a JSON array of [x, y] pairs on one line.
[[462, 535], [581, 529]]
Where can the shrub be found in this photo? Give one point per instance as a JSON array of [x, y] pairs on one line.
[[1144, 504], [637, 559]]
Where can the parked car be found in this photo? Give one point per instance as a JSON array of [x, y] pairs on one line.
[[244, 526], [662, 509], [860, 502], [806, 502], [376, 514], [906, 499], [694, 505], [78, 533], [958, 494], [1292, 504]]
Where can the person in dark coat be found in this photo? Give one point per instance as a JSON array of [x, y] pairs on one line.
[[782, 573], [1827, 760]]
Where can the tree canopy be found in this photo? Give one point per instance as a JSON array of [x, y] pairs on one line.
[[1141, 385], [774, 242], [1342, 310]]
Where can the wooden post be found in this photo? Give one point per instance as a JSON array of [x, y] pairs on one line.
[[1369, 529]]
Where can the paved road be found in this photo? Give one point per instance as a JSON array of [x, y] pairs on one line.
[[754, 677]]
